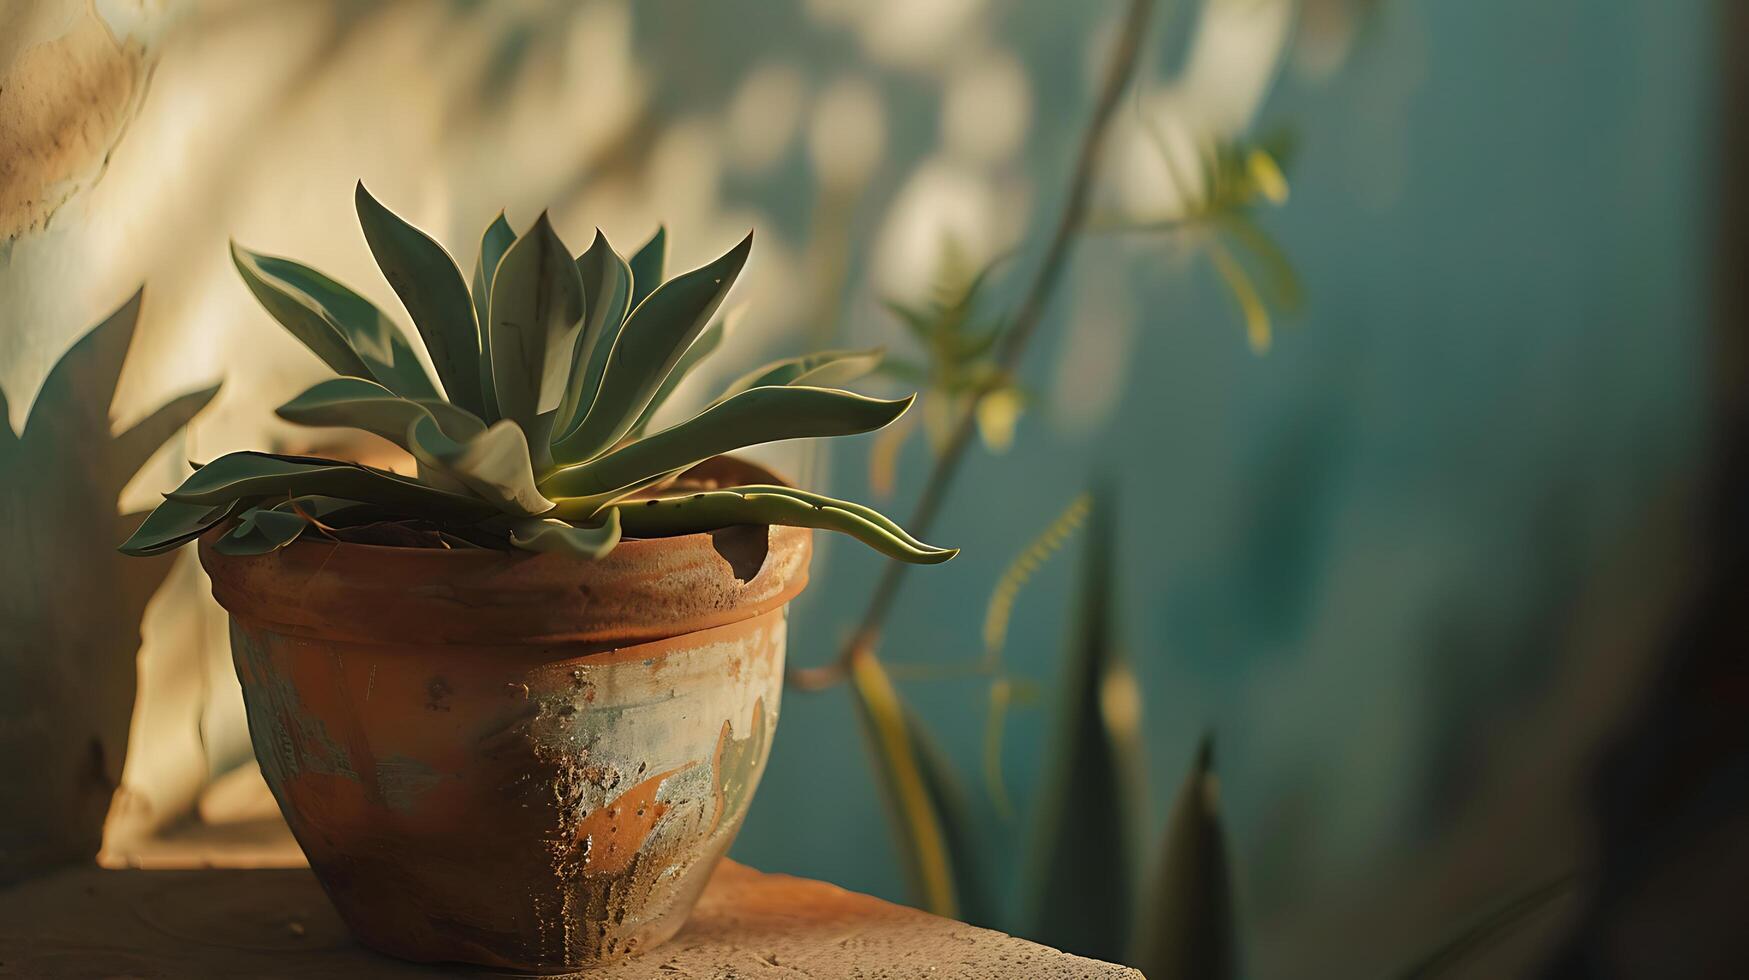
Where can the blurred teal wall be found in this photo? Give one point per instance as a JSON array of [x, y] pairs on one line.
[[1369, 559]]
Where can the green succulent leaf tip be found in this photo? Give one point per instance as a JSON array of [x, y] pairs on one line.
[[543, 422]]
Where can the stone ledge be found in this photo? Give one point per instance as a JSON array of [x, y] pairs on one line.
[[276, 923]]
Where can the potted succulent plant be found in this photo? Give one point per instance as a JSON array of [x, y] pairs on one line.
[[514, 706]]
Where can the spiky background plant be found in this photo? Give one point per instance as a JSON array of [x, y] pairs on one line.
[[551, 368]]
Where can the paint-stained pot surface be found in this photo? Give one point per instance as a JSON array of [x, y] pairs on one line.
[[522, 761]]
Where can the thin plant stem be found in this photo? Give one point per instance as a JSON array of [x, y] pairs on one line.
[[1118, 74]]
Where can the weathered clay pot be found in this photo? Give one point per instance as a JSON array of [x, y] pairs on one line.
[[514, 760]]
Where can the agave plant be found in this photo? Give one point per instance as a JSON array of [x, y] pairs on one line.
[[551, 368]]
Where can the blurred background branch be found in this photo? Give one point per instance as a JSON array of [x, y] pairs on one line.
[[1010, 347]]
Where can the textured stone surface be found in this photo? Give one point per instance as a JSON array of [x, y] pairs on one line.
[[69, 84], [276, 923]]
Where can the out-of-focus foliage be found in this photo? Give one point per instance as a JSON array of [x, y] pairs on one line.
[[1006, 690], [1218, 193], [938, 842], [956, 340], [1214, 214], [1092, 892], [1187, 930], [1087, 848], [540, 443], [1023, 567]]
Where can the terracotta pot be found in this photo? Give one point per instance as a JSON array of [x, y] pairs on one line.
[[523, 761]]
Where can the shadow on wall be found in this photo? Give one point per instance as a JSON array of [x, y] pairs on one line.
[[71, 604]]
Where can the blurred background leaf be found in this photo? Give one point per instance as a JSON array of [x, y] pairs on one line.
[[956, 340], [1187, 930], [1085, 857], [1006, 691], [937, 842]]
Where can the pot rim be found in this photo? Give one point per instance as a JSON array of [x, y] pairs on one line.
[[646, 589]]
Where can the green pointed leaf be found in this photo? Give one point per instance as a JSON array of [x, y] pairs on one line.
[[649, 265], [825, 369], [174, 524], [431, 288], [748, 419], [493, 464], [607, 285], [260, 530], [712, 509], [272, 281], [1189, 929], [367, 405], [493, 244], [706, 345], [341, 327], [591, 542], [537, 308], [255, 476], [652, 342], [1086, 853]]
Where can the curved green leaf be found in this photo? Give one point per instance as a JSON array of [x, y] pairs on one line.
[[861, 511], [341, 327], [260, 530], [607, 288], [706, 345], [299, 314], [753, 417], [367, 405], [252, 475], [493, 464], [824, 369], [541, 534], [713, 509], [650, 344], [173, 524], [493, 244], [431, 288], [649, 265], [536, 309]]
